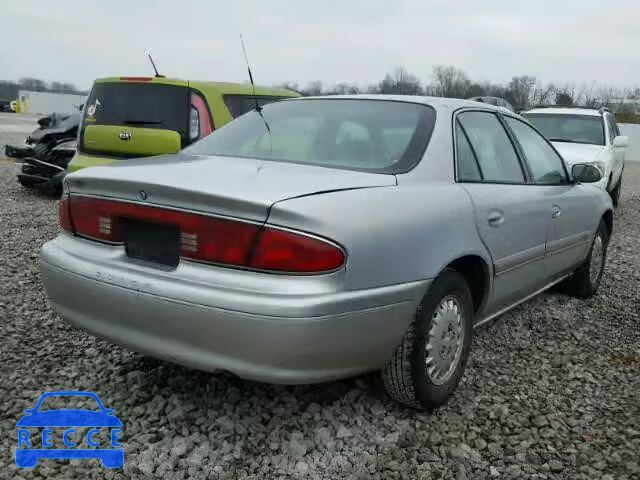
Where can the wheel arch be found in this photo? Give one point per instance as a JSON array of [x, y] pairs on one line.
[[607, 217], [477, 274]]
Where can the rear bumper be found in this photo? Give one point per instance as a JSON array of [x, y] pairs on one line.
[[275, 337]]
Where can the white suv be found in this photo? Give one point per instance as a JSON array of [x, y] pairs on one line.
[[585, 135]]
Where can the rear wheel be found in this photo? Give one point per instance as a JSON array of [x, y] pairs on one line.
[[586, 279], [426, 367]]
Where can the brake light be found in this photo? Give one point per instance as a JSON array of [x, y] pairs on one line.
[[136, 79], [63, 214], [199, 110], [205, 238], [194, 124], [285, 251]]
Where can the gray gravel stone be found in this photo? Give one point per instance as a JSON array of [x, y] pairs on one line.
[[551, 390]]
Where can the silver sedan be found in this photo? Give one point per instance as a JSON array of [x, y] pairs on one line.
[[320, 238]]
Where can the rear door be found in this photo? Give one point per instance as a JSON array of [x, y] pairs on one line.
[[568, 206], [511, 214], [135, 118]]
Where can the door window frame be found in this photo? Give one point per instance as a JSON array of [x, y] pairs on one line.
[[611, 126], [526, 173], [567, 177]]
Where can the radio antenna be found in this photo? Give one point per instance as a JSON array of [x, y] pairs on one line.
[[253, 88], [154, 65], [253, 85]]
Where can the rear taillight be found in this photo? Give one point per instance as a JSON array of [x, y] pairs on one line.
[[285, 251], [200, 124], [205, 238], [194, 124], [63, 214]]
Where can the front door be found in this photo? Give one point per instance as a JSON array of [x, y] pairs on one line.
[[567, 205]]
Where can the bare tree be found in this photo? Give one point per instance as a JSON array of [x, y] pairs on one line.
[[587, 96], [33, 84], [519, 92], [313, 88], [344, 88], [543, 94], [449, 82], [401, 82]]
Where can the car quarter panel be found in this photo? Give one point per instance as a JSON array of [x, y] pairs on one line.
[[392, 235]]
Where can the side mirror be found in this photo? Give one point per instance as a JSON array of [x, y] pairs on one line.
[[621, 141], [586, 173]]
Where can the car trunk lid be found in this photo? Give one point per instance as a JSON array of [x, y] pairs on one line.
[[230, 186]]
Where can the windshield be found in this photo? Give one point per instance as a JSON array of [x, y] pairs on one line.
[[569, 128], [145, 105], [371, 135], [66, 402]]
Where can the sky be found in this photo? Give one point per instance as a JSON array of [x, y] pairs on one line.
[[354, 41]]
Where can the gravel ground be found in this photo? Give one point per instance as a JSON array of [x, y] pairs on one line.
[[552, 389]]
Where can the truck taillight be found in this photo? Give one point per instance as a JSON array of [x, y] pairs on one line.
[[205, 238]]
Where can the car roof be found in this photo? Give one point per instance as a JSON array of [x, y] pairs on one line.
[[436, 102], [223, 87], [566, 111]]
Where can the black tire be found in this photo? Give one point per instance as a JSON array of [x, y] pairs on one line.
[[405, 375], [615, 193], [581, 284]]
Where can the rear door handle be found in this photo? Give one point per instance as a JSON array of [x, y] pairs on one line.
[[555, 211], [495, 218]]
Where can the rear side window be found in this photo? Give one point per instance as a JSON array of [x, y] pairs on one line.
[[147, 105], [241, 104], [468, 169], [495, 153]]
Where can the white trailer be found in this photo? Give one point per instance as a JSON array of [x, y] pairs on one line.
[[44, 103]]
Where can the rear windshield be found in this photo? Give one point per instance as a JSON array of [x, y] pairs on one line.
[[240, 104], [144, 105], [370, 135], [569, 128]]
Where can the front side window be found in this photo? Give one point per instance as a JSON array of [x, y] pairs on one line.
[[495, 153], [569, 128], [545, 164], [370, 135]]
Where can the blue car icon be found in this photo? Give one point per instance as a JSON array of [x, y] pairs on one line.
[[28, 456]]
